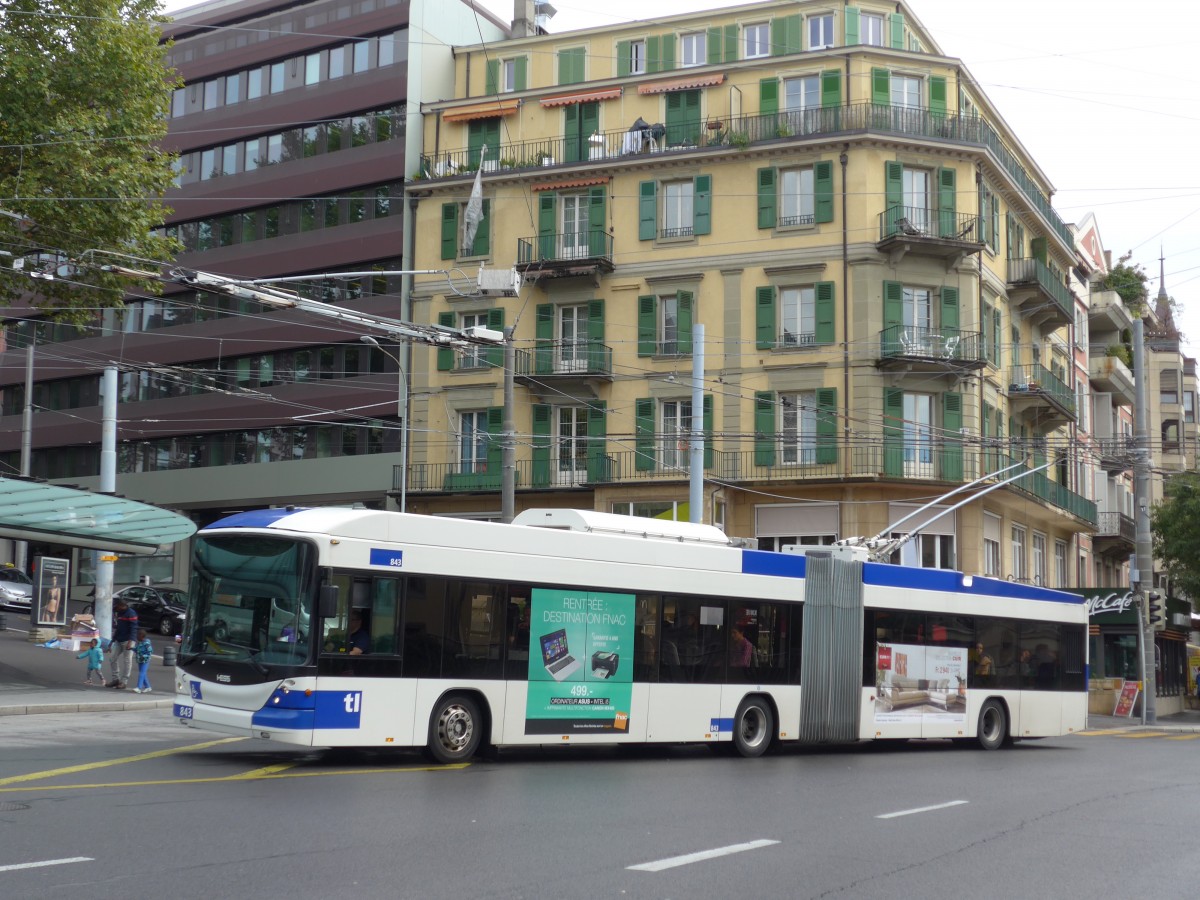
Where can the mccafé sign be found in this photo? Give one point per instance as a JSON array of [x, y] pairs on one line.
[[1109, 604]]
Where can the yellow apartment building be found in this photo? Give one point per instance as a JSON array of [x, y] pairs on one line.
[[875, 259]]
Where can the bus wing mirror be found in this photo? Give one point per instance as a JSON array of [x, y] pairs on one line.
[[328, 601]]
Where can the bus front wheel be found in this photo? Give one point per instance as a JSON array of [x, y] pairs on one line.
[[993, 725], [753, 727], [455, 729]]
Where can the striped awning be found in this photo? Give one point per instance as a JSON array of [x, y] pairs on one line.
[[585, 97], [681, 84], [574, 183], [488, 110]]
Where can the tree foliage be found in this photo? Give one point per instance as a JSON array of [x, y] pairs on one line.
[[1175, 523], [1130, 283], [84, 97]]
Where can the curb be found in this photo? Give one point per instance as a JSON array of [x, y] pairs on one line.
[[34, 709]]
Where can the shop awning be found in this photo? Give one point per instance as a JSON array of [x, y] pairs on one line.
[[32, 510], [586, 97], [574, 183], [681, 84], [489, 110]]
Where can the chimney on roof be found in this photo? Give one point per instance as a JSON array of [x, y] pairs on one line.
[[530, 17]]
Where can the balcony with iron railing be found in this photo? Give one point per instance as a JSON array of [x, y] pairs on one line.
[[939, 233], [943, 462], [564, 359], [566, 253], [736, 133], [1036, 392], [1038, 293], [945, 348], [1116, 454], [1114, 531]]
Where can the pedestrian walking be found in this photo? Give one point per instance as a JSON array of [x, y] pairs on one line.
[[95, 662], [124, 640], [143, 651]]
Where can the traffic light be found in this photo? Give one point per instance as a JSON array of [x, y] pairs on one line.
[[1153, 607]]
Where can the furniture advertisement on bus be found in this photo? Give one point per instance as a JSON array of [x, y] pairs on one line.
[[921, 683]]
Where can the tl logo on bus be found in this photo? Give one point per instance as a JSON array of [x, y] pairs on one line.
[[353, 702], [338, 709]]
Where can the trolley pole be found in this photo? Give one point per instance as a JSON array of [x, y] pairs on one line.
[[1143, 544]]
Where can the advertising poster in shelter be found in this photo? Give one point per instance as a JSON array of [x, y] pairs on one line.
[[916, 683], [580, 662], [50, 592]]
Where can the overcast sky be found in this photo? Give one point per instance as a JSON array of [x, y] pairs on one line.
[[1101, 93]]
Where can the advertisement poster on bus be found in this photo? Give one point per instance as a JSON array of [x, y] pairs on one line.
[[50, 607], [580, 662], [915, 683]]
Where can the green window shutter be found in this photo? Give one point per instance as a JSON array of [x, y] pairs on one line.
[[996, 332], [785, 35], [647, 211], [952, 458], [653, 53], [492, 79], [543, 331], [449, 230], [765, 321], [482, 245], [823, 191], [683, 118], [521, 73], [824, 309], [937, 95], [896, 21], [893, 432], [624, 58], [767, 216], [668, 52], [570, 65], [647, 332], [1037, 249], [881, 87], [480, 133], [597, 220], [547, 213], [831, 88], [995, 241], [598, 467], [707, 425], [445, 355], [684, 301], [947, 202], [495, 322], [985, 215], [893, 181], [573, 145], [852, 22], [764, 428], [731, 43], [768, 96], [893, 318], [794, 31], [713, 45], [597, 361], [589, 118], [827, 426], [950, 309], [495, 427], [543, 416], [702, 207], [643, 439]]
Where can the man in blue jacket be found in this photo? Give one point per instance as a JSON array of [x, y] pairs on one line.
[[124, 640]]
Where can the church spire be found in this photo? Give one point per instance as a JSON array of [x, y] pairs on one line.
[[1162, 304]]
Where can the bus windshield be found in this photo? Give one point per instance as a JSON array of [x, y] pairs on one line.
[[251, 598]]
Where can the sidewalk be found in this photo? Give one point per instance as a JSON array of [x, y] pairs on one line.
[[34, 680]]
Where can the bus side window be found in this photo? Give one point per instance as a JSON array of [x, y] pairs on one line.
[[334, 630], [385, 616], [424, 627], [645, 641]]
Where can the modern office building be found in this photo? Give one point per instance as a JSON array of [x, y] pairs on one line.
[[296, 126], [883, 281]]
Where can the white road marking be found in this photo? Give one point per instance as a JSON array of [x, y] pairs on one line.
[[912, 812], [46, 862], [702, 855]]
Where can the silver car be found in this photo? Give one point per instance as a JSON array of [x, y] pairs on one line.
[[16, 590]]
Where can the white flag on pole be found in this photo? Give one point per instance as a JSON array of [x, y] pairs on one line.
[[474, 213]]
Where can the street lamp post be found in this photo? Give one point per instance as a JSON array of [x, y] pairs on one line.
[[402, 412]]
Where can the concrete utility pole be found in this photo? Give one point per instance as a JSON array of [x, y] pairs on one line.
[[21, 548], [508, 447], [1144, 575], [108, 485], [696, 460]]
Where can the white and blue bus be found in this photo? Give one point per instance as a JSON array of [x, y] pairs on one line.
[[358, 628]]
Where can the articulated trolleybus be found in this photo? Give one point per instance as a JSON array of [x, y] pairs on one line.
[[342, 627]]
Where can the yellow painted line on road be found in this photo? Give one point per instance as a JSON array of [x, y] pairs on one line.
[[1183, 737], [1142, 734], [86, 767], [1103, 731], [263, 772], [241, 776]]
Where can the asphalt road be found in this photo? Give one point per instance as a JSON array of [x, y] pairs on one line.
[[127, 804]]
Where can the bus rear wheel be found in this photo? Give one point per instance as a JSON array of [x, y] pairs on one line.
[[455, 729], [753, 727], [993, 725]]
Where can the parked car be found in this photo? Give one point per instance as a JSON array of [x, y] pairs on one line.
[[16, 589], [161, 609]]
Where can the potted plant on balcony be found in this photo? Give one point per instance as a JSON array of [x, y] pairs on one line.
[[739, 139]]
